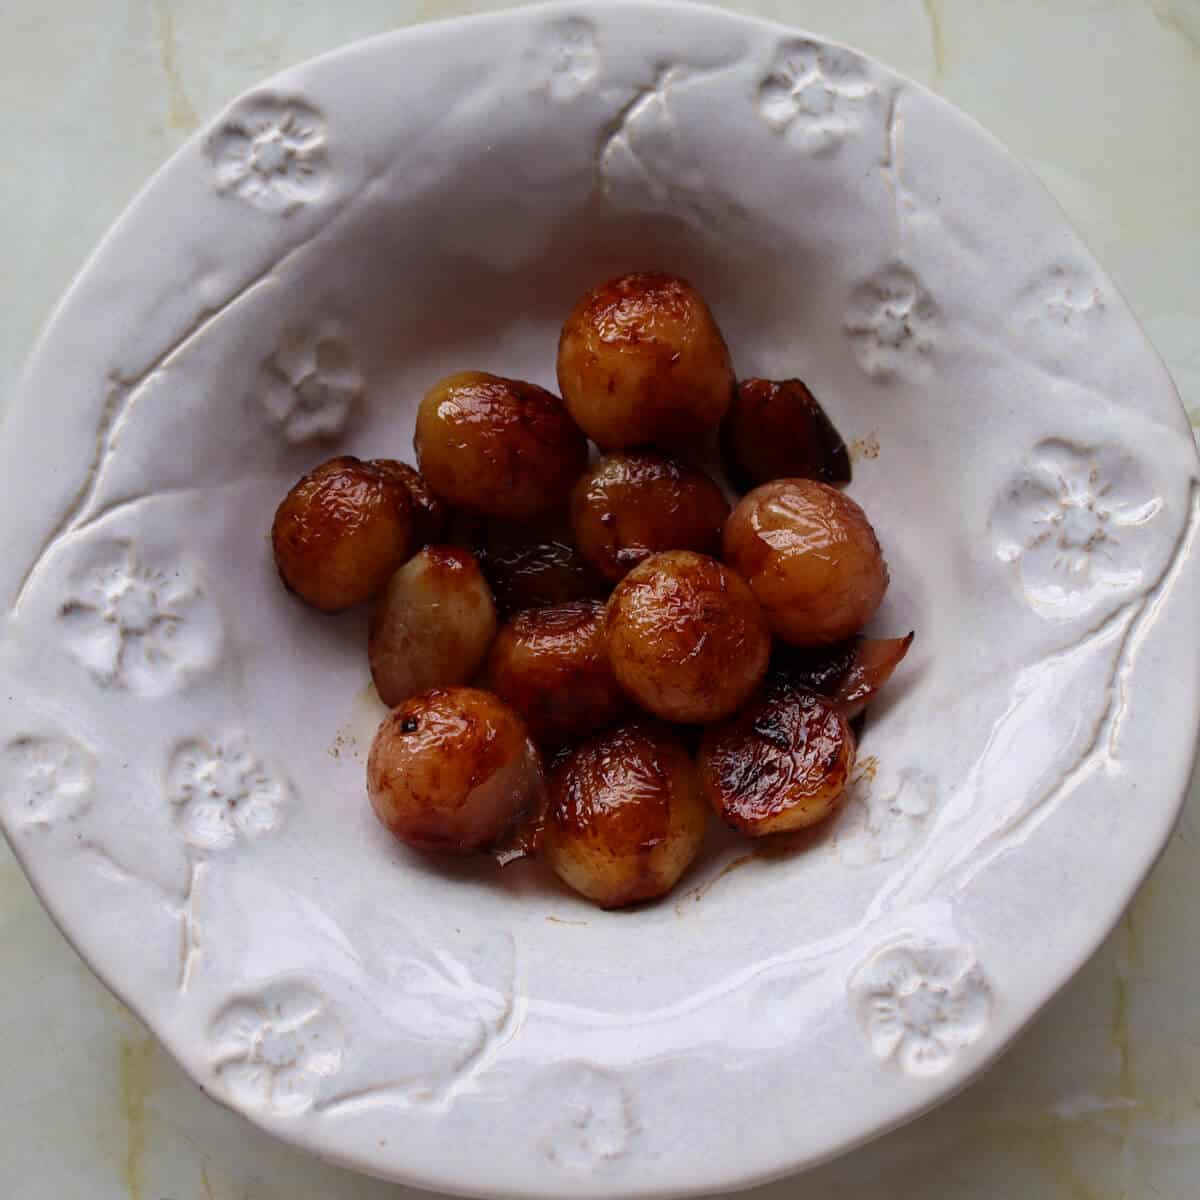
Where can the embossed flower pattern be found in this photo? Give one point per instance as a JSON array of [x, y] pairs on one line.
[[223, 792], [1067, 523], [1072, 301], [891, 318], [593, 1123], [44, 780], [1059, 309], [920, 1003], [572, 60], [815, 93], [138, 626], [309, 385], [270, 152], [1064, 298], [272, 1051], [880, 825]]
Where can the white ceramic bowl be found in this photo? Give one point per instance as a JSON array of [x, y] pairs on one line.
[[181, 754]]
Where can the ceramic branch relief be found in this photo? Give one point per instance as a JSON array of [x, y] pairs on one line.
[[592, 1121], [1060, 724], [222, 795], [1069, 524], [308, 386], [568, 58], [644, 166], [448, 1014], [815, 94], [879, 824], [892, 321], [274, 1050], [920, 1002], [139, 625], [637, 159], [270, 152], [45, 780]]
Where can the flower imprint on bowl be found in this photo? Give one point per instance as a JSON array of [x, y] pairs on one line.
[[222, 792], [816, 94], [879, 825], [272, 1051], [222, 795], [309, 384], [919, 1003], [892, 319], [45, 780], [1057, 312], [1068, 524], [1065, 298], [138, 625], [595, 1121], [570, 59], [270, 152]]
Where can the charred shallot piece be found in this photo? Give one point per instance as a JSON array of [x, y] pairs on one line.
[[686, 637], [641, 362], [633, 504], [777, 430], [341, 531], [625, 819], [450, 771], [780, 765], [430, 515], [811, 558], [497, 447], [533, 563], [552, 666], [847, 674], [432, 624]]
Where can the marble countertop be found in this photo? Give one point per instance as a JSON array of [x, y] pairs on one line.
[[1100, 1097]]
